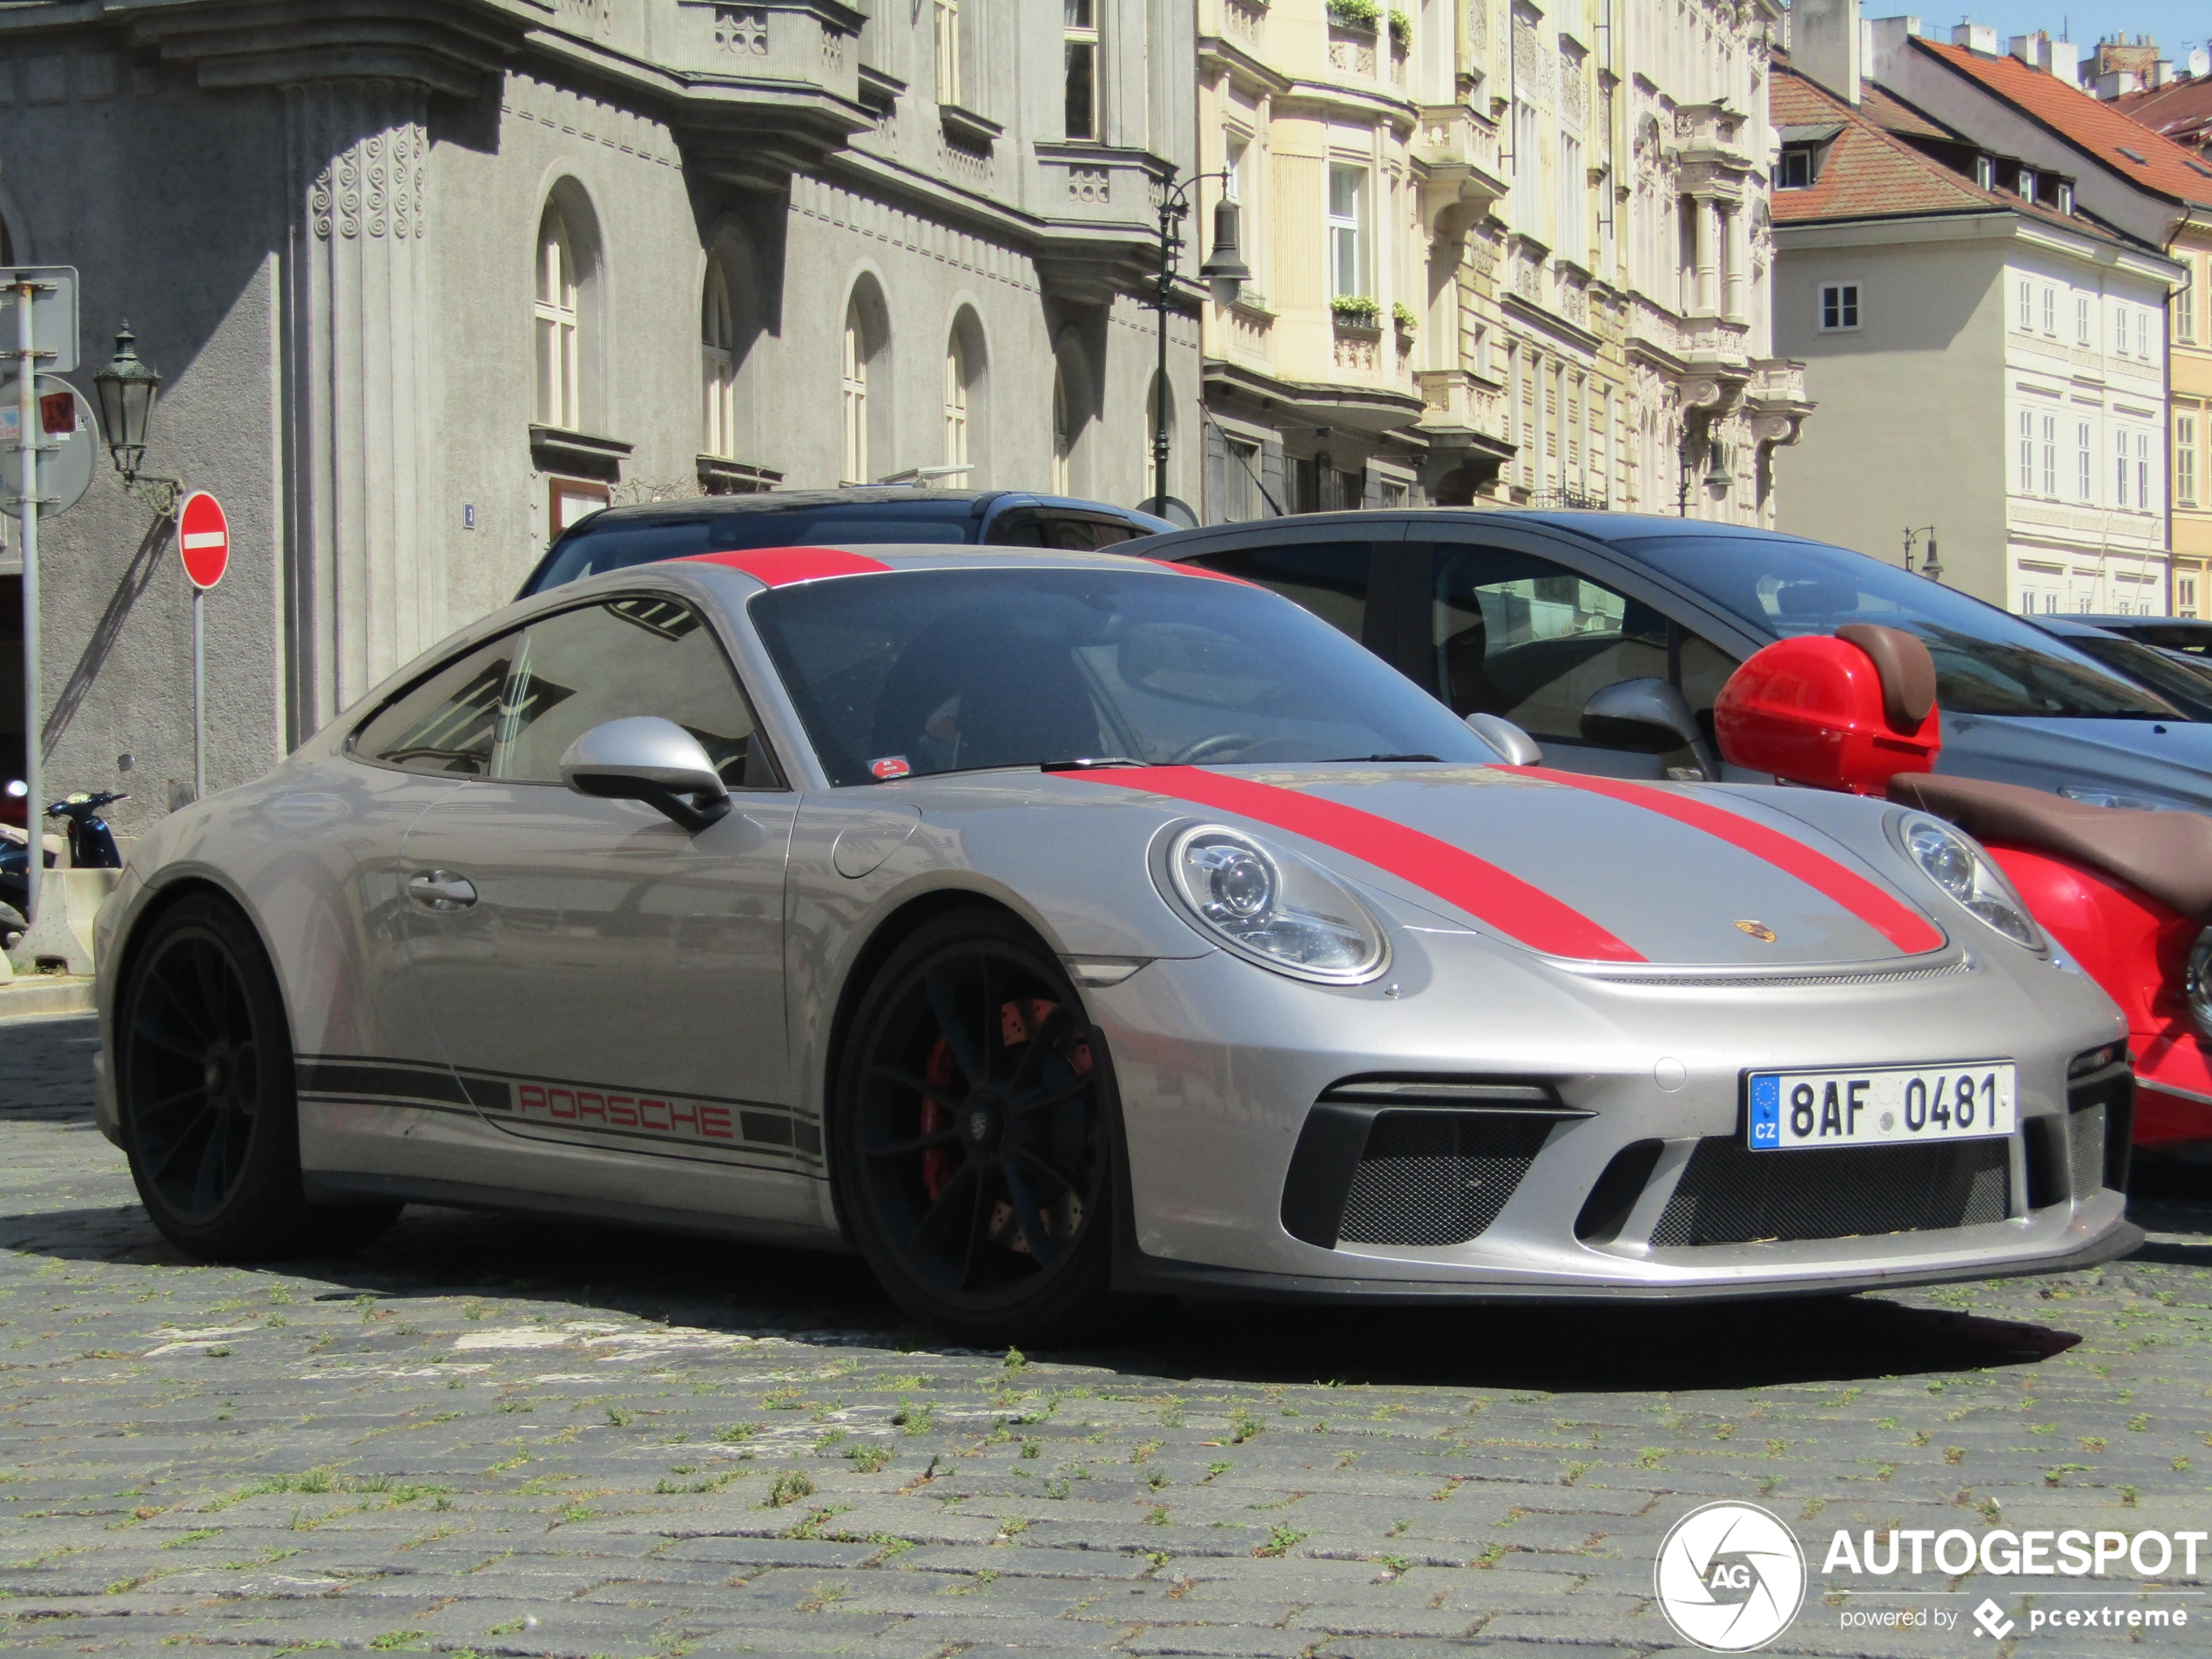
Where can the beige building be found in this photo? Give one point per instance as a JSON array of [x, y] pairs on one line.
[[1499, 254]]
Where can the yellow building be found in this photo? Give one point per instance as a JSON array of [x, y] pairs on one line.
[[1498, 254], [2189, 375]]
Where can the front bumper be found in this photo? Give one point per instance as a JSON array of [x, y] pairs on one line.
[[1221, 1065]]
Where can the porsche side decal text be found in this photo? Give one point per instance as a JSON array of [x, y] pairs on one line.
[[1513, 906], [1903, 926], [592, 1109]]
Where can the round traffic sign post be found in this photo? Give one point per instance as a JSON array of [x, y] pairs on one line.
[[203, 539]]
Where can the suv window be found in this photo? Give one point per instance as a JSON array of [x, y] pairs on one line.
[[1519, 635], [1331, 579], [1072, 532], [642, 654], [443, 724]]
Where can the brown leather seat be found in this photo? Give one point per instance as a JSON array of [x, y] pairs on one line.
[[2167, 854]]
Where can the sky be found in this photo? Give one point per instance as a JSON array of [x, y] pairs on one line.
[[2174, 24]]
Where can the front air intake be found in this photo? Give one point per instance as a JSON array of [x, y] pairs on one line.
[[1730, 1194]]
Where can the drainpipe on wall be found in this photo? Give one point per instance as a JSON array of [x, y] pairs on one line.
[[2188, 286]]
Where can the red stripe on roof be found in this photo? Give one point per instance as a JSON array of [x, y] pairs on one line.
[[1200, 569], [777, 566], [1480, 889], [1901, 925]]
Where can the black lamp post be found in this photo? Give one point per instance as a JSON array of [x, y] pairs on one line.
[[1224, 274], [128, 388]]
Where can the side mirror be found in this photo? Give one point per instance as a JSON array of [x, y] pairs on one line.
[[1647, 715], [1513, 745], [645, 757]]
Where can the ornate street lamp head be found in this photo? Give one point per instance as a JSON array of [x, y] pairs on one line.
[[127, 389], [1225, 271]]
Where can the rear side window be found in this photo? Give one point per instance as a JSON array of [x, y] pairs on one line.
[[445, 724], [1331, 579], [1072, 532]]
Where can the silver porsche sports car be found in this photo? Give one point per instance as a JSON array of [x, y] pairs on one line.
[[1042, 925]]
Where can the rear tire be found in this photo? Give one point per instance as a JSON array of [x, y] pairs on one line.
[[205, 1085], [977, 1113]]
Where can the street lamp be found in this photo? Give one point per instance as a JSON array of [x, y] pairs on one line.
[[1929, 566], [1224, 274], [128, 388]]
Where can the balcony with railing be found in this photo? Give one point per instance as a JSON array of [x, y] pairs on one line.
[[1459, 151]]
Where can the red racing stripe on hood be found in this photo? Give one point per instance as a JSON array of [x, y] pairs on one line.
[[777, 566], [1902, 926], [1480, 889]]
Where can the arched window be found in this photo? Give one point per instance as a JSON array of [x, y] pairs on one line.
[[955, 404], [856, 397], [560, 400], [718, 367], [1063, 434]]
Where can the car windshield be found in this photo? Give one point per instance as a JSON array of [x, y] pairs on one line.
[[1986, 661], [2186, 682], [925, 671], [617, 543]]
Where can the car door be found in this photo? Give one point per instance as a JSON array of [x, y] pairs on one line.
[[596, 974], [1516, 625], [1350, 573]]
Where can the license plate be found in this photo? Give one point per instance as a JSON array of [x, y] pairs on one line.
[[1797, 1111]]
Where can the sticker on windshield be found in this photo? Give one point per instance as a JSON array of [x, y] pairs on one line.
[[889, 767]]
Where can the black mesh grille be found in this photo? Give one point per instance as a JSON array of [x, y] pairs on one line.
[[1730, 1194], [2085, 1135], [1437, 1177]]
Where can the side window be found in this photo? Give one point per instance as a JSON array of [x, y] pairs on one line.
[[443, 724], [638, 655], [1519, 635], [1071, 532], [1331, 579]]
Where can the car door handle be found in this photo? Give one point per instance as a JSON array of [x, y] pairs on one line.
[[441, 890]]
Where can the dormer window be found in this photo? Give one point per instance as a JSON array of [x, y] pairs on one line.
[[2027, 184], [2066, 200], [1796, 171], [1985, 172]]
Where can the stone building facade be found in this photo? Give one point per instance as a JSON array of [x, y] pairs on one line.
[[1561, 256], [427, 281]]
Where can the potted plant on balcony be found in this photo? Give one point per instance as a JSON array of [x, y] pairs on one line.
[[1356, 310], [1361, 15], [1402, 314], [1401, 33]]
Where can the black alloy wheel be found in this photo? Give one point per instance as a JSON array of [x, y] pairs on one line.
[[204, 1083], [974, 1134]]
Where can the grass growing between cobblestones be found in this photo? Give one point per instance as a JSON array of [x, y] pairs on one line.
[[504, 1436]]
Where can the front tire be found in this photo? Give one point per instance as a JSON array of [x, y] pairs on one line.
[[974, 1135], [205, 1085]]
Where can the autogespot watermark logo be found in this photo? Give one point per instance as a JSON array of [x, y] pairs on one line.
[[1729, 1577]]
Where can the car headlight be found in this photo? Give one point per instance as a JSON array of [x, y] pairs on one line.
[[1953, 862], [2196, 984], [1275, 908]]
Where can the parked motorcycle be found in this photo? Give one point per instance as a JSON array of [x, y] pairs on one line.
[[91, 843], [2126, 895]]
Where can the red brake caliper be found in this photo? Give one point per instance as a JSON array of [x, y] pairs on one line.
[[937, 1166]]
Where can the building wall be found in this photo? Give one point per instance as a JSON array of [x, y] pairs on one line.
[[2189, 366], [334, 269], [1909, 435]]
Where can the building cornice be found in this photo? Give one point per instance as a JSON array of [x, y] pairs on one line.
[[1977, 225]]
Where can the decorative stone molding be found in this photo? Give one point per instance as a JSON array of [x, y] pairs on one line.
[[1090, 185], [1357, 347], [364, 589], [742, 32]]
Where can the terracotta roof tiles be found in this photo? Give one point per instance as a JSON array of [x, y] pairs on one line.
[[2111, 136]]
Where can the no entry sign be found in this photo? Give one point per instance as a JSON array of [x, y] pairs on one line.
[[204, 537]]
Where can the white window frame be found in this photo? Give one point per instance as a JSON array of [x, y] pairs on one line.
[[2085, 459], [948, 42], [2185, 460], [1079, 37], [1348, 233], [855, 393], [2084, 327], [2050, 311], [558, 315], [2027, 306], [2027, 452], [718, 366], [956, 406], [2142, 332], [2120, 469], [2051, 456], [2143, 471], [1840, 300]]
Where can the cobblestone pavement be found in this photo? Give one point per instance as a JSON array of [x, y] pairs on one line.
[[523, 1437]]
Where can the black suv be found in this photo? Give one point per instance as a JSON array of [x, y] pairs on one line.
[[617, 537]]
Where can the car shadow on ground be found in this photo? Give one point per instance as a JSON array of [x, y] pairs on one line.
[[830, 1301]]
